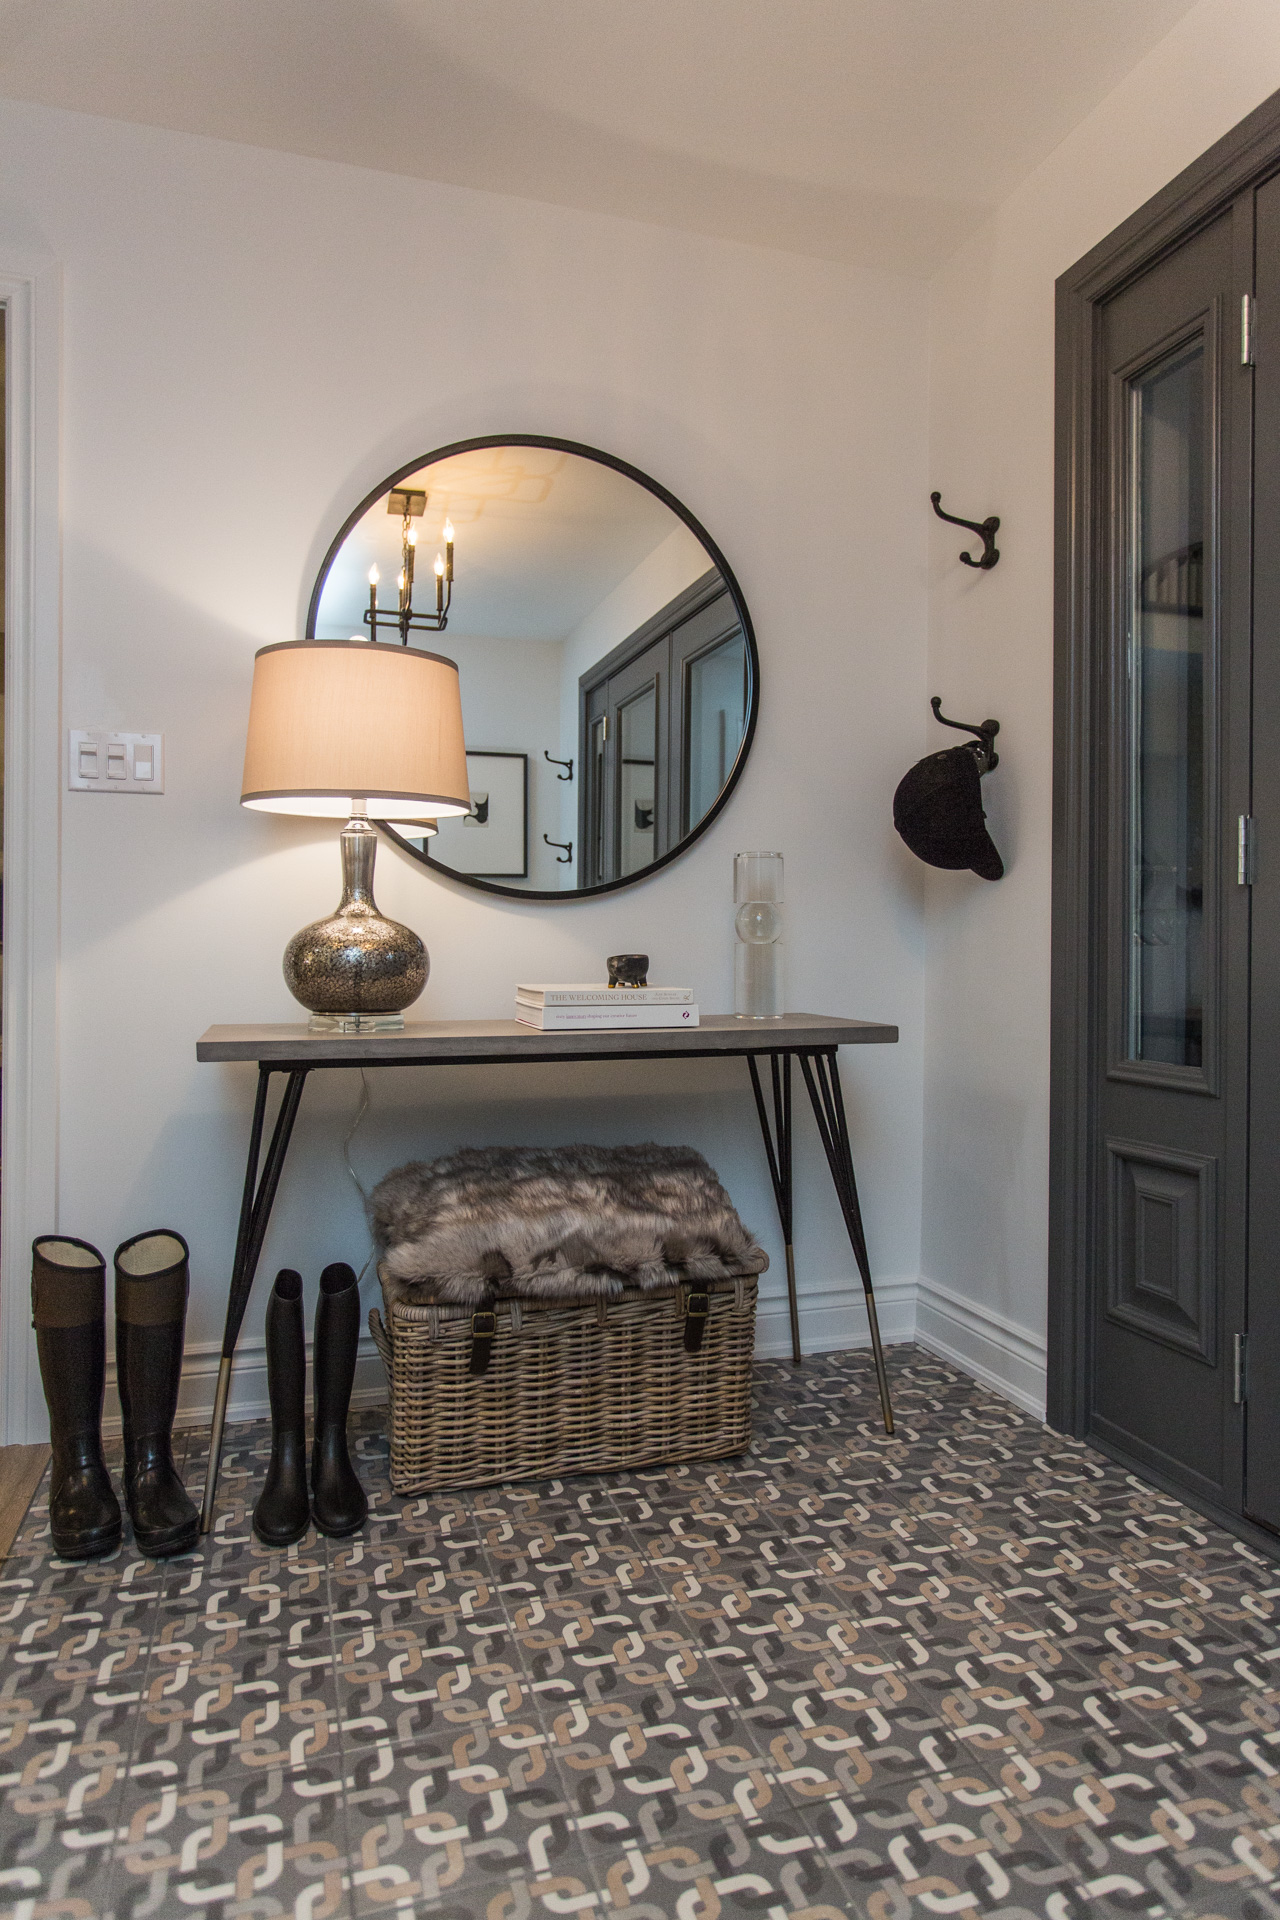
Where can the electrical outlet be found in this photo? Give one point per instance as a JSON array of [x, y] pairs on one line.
[[102, 762]]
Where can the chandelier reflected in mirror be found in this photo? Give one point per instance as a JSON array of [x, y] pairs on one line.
[[411, 503]]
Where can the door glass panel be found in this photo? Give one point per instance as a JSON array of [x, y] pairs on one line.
[[637, 836], [1167, 714], [717, 718]]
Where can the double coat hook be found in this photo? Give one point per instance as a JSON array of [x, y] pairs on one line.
[[986, 733], [986, 529]]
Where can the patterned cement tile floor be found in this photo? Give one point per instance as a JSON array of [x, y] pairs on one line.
[[975, 1670]]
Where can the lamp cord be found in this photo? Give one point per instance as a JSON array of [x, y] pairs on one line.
[[352, 1130]]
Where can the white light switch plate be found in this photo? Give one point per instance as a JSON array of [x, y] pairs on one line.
[[102, 762]]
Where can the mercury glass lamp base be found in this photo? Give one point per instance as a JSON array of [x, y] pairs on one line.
[[356, 1023]]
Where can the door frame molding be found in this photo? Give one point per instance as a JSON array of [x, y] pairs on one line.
[[1206, 189], [31, 294]]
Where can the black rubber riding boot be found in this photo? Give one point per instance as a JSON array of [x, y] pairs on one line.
[[338, 1501], [283, 1512], [68, 1312], [151, 1314]]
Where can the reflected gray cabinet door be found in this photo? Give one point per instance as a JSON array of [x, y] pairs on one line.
[[1171, 1071], [637, 699], [625, 817], [595, 820], [710, 692], [662, 723]]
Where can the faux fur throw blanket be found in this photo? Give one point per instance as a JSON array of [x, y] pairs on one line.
[[561, 1223]]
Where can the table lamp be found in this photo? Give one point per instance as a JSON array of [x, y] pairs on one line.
[[337, 729]]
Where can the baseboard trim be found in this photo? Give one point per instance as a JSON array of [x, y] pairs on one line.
[[833, 1318], [992, 1349], [248, 1384]]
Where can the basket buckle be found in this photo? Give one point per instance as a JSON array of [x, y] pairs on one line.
[[696, 1314], [484, 1327]]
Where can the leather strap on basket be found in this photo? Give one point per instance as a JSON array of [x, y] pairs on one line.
[[484, 1328], [696, 1315]]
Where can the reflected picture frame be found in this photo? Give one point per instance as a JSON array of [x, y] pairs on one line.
[[492, 841]]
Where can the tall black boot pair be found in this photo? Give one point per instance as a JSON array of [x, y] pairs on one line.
[[68, 1302], [337, 1502]]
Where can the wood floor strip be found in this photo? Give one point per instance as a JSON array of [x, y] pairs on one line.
[[20, 1471]]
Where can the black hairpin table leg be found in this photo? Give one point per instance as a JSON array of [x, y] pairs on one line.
[[822, 1078], [777, 1145], [255, 1212]]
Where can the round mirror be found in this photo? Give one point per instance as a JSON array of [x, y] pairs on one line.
[[606, 659]]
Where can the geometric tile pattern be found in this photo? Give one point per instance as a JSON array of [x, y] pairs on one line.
[[975, 1670]]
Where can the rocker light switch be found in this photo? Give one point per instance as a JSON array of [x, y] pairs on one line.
[[103, 762]]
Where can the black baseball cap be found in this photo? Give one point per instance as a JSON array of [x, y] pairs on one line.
[[938, 811]]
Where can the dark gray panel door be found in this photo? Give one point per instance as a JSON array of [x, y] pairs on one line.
[[710, 687], [1172, 1069], [624, 819], [1262, 1425], [638, 722]]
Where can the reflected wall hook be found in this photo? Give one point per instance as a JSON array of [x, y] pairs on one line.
[[986, 733], [562, 859], [559, 763], [986, 529]]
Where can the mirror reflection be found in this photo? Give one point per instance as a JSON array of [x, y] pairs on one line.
[[605, 660]]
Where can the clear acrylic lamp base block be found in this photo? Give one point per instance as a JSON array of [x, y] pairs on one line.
[[757, 981], [356, 1023]]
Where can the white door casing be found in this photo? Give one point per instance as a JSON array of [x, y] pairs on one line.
[[31, 292]]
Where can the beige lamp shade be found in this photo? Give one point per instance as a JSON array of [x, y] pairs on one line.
[[344, 726]]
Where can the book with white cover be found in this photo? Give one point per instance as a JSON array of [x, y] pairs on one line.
[[601, 1019], [589, 995]]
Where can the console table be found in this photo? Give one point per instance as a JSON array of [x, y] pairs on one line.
[[292, 1050]]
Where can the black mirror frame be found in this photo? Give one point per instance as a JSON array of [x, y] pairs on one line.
[[695, 527]]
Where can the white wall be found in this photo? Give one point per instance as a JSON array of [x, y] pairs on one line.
[[228, 394], [990, 652]]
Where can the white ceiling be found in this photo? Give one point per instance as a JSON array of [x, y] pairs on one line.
[[875, 131]]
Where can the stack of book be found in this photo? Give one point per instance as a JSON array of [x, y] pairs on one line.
[[588, 1008]]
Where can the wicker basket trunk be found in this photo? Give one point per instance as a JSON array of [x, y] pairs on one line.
[[569, 1389]]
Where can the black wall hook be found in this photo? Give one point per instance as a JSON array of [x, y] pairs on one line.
[[562, 859], [986, 529], [559, 763], [986, 733]]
